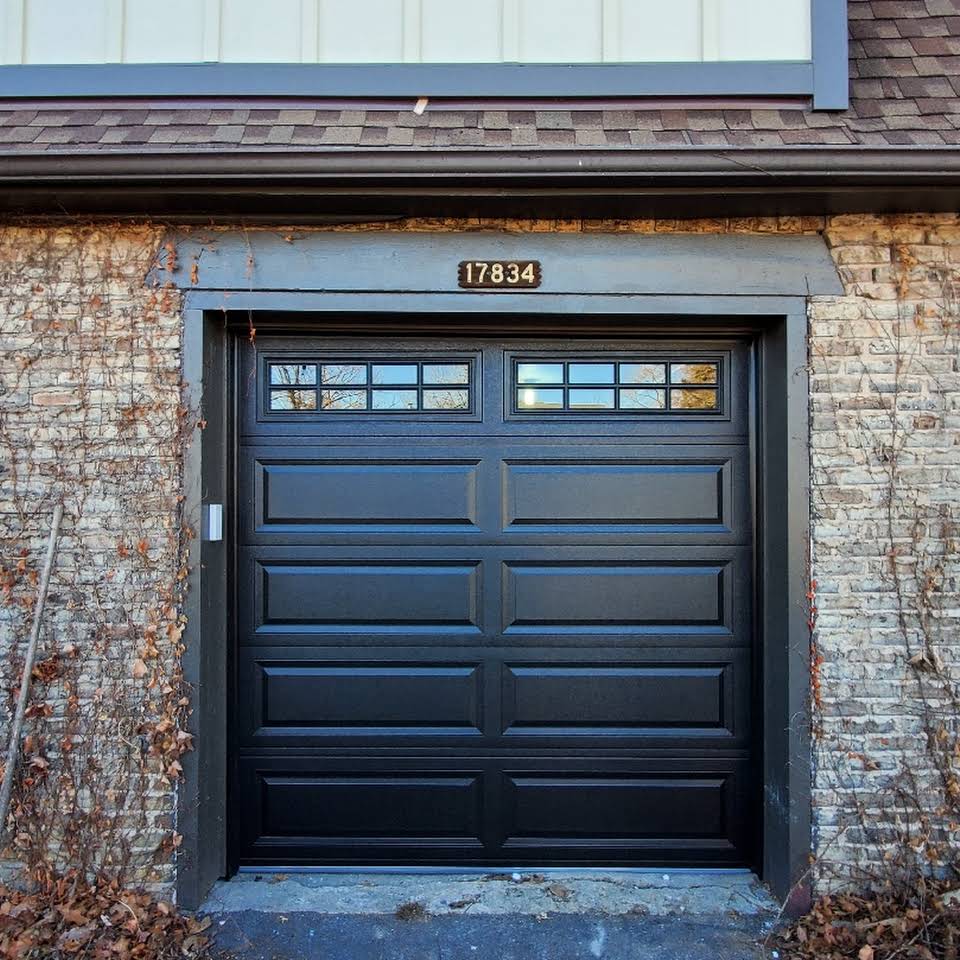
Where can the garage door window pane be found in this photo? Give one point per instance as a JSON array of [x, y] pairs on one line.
[[394, 400], [638, 399], [293, 400], [540, 373], [292, 374], [643, 373], [530, 398], [688, 399], [344, 373], [590, 373], [446, 373], [591, 399], [394, 373], [446, 400], [343, 399], [690, 373]]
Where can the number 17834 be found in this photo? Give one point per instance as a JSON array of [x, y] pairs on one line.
[[499, 273]]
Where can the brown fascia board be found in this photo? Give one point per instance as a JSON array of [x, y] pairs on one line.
[[270, 184]]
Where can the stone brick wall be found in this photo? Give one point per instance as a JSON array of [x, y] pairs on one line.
[[89, 410], [90, 413], [885, 394]]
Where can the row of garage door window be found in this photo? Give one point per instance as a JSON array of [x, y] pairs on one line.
[[539, 386]]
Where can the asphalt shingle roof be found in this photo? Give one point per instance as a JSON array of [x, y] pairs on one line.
[[905, 90]]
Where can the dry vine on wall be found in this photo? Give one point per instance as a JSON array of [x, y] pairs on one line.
[[91, 415]]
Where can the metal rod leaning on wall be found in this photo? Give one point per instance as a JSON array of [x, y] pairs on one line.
[[13, 750]]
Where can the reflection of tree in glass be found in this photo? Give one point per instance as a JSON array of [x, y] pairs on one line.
[[695, 374], [293, 375], [339, 387], [642, 398], [443, 374], [445, 399]]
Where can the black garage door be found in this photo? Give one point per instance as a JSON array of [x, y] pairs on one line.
[[493, 603]]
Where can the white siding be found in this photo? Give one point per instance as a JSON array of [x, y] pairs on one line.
[[353, 31], [253, 31], [763, 29], [560, 31], [148, 38], [58, 31], [646, 34], [397, 31], [447, 36]]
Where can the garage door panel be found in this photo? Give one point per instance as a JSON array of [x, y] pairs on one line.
[[644, 698], [624, 594], [365, 496], [313, 701], [628, 594], [368, 596], [508, 492], [680, 704], [687, 808], [537, 810], [310, 808], [564, 497], [611, 596]]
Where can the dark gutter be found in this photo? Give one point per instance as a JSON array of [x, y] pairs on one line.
[[821, 162], [300, 185]]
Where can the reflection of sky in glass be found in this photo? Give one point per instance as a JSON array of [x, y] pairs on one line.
[[445, 373], [394, 400], [293, 373], [343, 399], [394, 373], [343, 373], [531, 398], [634, 399], [591, 373], [540, 373], [581, 399], [643, 373], [446, 399]]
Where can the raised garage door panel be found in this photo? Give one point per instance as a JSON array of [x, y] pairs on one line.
[[395, 496], [472, 633], [623, 495], [486, 594], [549, 697], [368, 596], [327, 493]]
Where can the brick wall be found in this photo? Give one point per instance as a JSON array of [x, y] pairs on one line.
[[89, 412], [886, 491], [89, 395]]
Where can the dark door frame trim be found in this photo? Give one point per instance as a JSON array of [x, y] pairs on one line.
[[782, 498]]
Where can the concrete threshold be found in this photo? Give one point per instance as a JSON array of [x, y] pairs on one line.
[[537, 894]]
